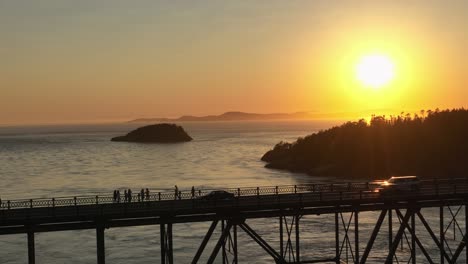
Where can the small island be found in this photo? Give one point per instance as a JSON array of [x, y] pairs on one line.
[[429, 144], [159, 133]]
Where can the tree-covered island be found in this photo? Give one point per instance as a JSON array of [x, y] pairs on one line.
[[429, 144]]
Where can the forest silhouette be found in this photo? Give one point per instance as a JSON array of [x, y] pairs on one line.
[[428, 144]]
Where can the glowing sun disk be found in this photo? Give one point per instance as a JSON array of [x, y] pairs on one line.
[[375, 70]]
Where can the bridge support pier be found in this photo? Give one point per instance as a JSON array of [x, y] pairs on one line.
[[221, 243], [31, 249], [298, 254], [398, 236], [413, 239], [356, 236], [166, 243], [337, 239], [101, 256], [224, 243], [235, 261], [229, 247], [281, 236], [290, 247], [346, 244], [442, 235], [227, 242], [390, 233]]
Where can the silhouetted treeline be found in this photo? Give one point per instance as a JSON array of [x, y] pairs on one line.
[[432, 144]]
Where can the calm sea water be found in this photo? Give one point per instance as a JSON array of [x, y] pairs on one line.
[[48, 161]]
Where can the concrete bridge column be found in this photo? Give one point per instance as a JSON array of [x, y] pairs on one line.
[[31, 250]]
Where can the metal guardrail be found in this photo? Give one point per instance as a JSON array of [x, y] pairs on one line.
[[450, 185]]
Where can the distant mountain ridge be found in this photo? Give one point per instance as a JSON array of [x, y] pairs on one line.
[[233, 116], [244, 116]]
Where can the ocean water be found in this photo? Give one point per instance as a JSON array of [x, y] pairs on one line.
[[53, 161]]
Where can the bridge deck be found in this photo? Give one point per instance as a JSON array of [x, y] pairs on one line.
[[72, 213]]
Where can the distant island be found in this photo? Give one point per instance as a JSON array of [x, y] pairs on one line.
[[229, 116], [244, 116], [429, 144], [159, 133]]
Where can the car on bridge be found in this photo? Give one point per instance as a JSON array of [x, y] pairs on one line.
[[400, 184], [217, 195]]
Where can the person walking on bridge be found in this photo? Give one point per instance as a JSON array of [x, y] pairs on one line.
[[176, 192], [118, 196], [147, 194], [193, 192], [142, 194], [129, 193], [125, 196]]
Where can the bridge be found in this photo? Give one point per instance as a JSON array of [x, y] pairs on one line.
[[288, 204]]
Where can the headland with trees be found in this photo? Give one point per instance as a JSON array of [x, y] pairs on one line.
[[427, 144]]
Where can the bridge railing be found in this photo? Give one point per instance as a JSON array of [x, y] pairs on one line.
[[450, 185]]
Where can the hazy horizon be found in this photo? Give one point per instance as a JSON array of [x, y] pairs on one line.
[[315, 116], [86, 61]]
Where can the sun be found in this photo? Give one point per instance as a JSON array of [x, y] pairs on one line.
[[375, 70]]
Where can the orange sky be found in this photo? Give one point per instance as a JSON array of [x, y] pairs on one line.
[[76, 61]]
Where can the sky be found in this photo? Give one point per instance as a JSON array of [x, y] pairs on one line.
[[68, 61]]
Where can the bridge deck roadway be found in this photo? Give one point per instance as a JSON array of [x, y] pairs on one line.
[[76, 217]]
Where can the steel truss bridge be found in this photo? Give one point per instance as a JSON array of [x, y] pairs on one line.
[[288, 204]]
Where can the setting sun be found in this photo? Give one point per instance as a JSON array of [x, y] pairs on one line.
[[375, 70]]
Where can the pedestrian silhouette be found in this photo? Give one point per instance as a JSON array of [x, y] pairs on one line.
[[193, 191], [176, 192], [129, 192], [147, 194], [125, 196]]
